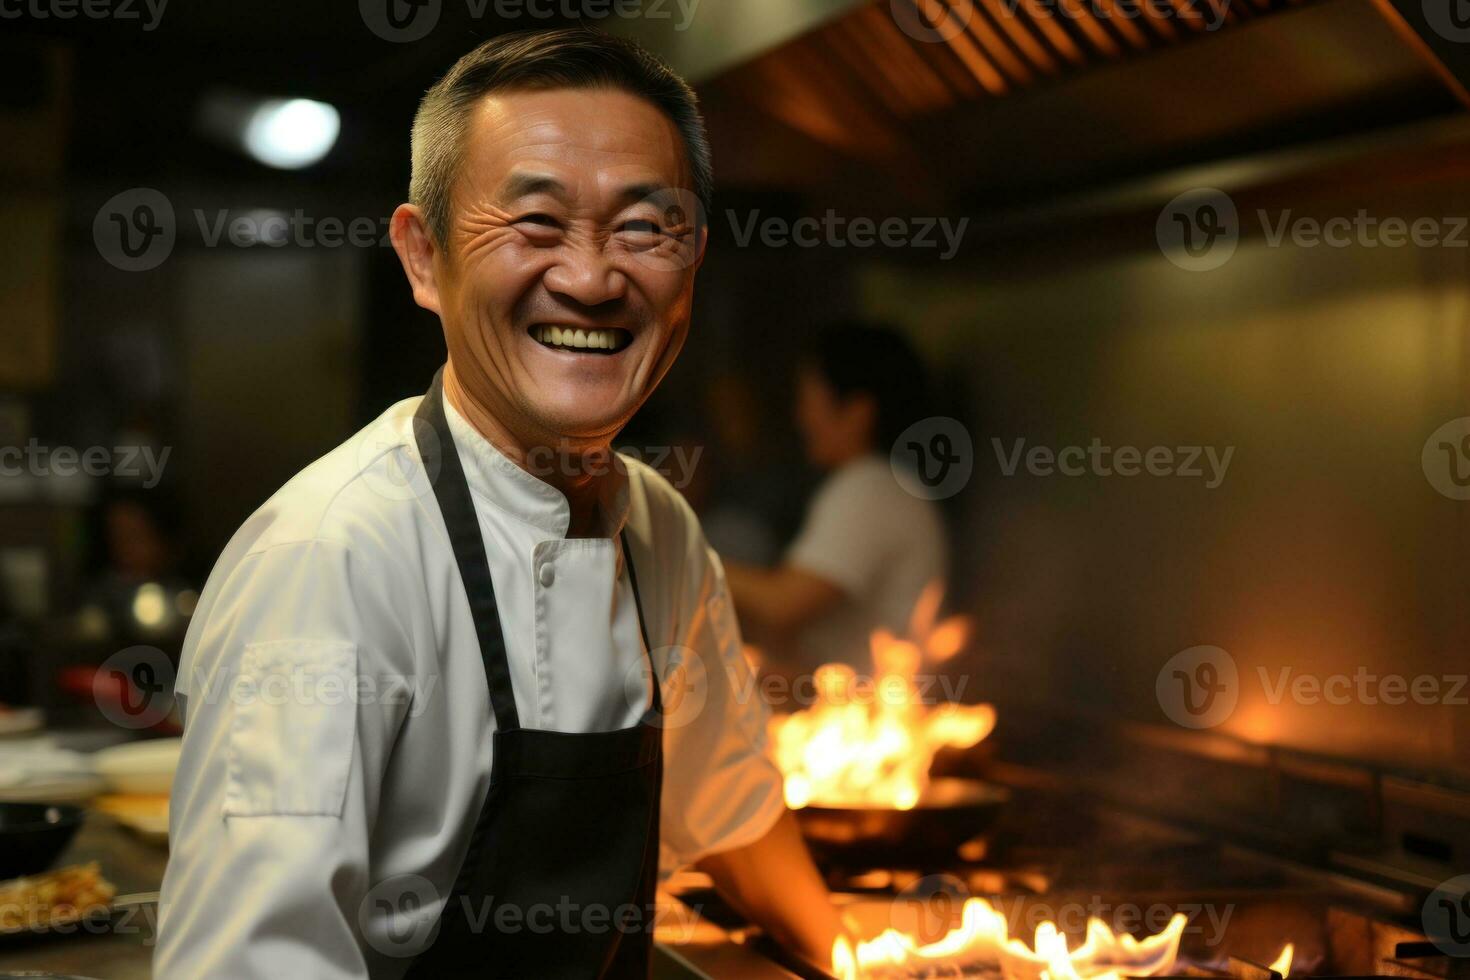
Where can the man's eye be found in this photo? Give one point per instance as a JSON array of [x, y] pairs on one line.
[[642, 227], [543, 220]]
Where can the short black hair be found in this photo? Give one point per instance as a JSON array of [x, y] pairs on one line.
[[572, 57], [859, 357]]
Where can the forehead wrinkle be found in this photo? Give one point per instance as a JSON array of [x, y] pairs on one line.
[[507, 134], [501, 112]]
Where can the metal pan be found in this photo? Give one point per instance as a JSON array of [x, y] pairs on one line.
[[952, 811]]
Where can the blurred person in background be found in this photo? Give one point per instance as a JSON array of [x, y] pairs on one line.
[[734, 530], [714, 455], [138, 581], [751, 501], [867, 548]]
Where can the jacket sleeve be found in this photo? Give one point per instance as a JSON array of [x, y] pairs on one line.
[[291, 706], [721, 791]]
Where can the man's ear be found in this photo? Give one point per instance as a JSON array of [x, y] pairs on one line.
[[416, 249]]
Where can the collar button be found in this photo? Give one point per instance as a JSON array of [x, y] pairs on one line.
[[547, 576]]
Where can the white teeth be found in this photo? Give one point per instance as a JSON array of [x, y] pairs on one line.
[[573, 337]]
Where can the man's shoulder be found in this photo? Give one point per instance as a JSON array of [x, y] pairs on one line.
[[869, 487], [868, 477], [663, 501], [368, 481], [660, 515]]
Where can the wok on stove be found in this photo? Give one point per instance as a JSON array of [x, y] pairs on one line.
[[951, 811]]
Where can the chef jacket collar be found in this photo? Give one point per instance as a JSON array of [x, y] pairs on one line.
[[514, 491]]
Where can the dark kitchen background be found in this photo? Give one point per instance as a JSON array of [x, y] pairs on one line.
[[1337, 542]]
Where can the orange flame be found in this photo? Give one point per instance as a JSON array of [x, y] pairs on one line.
[[844, 960], [1282, 963], [982, 940], [872, 744]]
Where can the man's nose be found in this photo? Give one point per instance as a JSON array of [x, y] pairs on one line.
[[583, 273]]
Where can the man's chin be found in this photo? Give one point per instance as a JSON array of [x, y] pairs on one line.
[[574, 424]]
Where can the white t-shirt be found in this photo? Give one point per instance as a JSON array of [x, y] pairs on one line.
[[864, 533], [295, 806]]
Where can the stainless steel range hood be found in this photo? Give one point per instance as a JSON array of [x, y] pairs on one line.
[[702, 38], [1032, 98]]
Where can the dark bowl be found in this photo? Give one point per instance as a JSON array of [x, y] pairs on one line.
[[33, 834], [952, 811]]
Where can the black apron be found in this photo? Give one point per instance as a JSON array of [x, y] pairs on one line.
[[563, 860]]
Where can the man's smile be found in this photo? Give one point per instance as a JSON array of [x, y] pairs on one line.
[[598, 340]]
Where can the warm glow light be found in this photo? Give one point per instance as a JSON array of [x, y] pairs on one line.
[[150, 605], [844, 964], [871, 744], [981, 940], [1282, 964], [981, 943], [291, 133], [948, 639]]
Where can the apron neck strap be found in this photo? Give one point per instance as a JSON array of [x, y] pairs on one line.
[[446, 473], [656, 706]]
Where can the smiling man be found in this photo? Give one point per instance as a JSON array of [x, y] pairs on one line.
[[461, 689]]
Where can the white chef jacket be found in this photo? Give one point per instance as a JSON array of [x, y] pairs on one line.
[[337, 719]]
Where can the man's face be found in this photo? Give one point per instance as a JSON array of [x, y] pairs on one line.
[[566, 283], [833, 429]]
